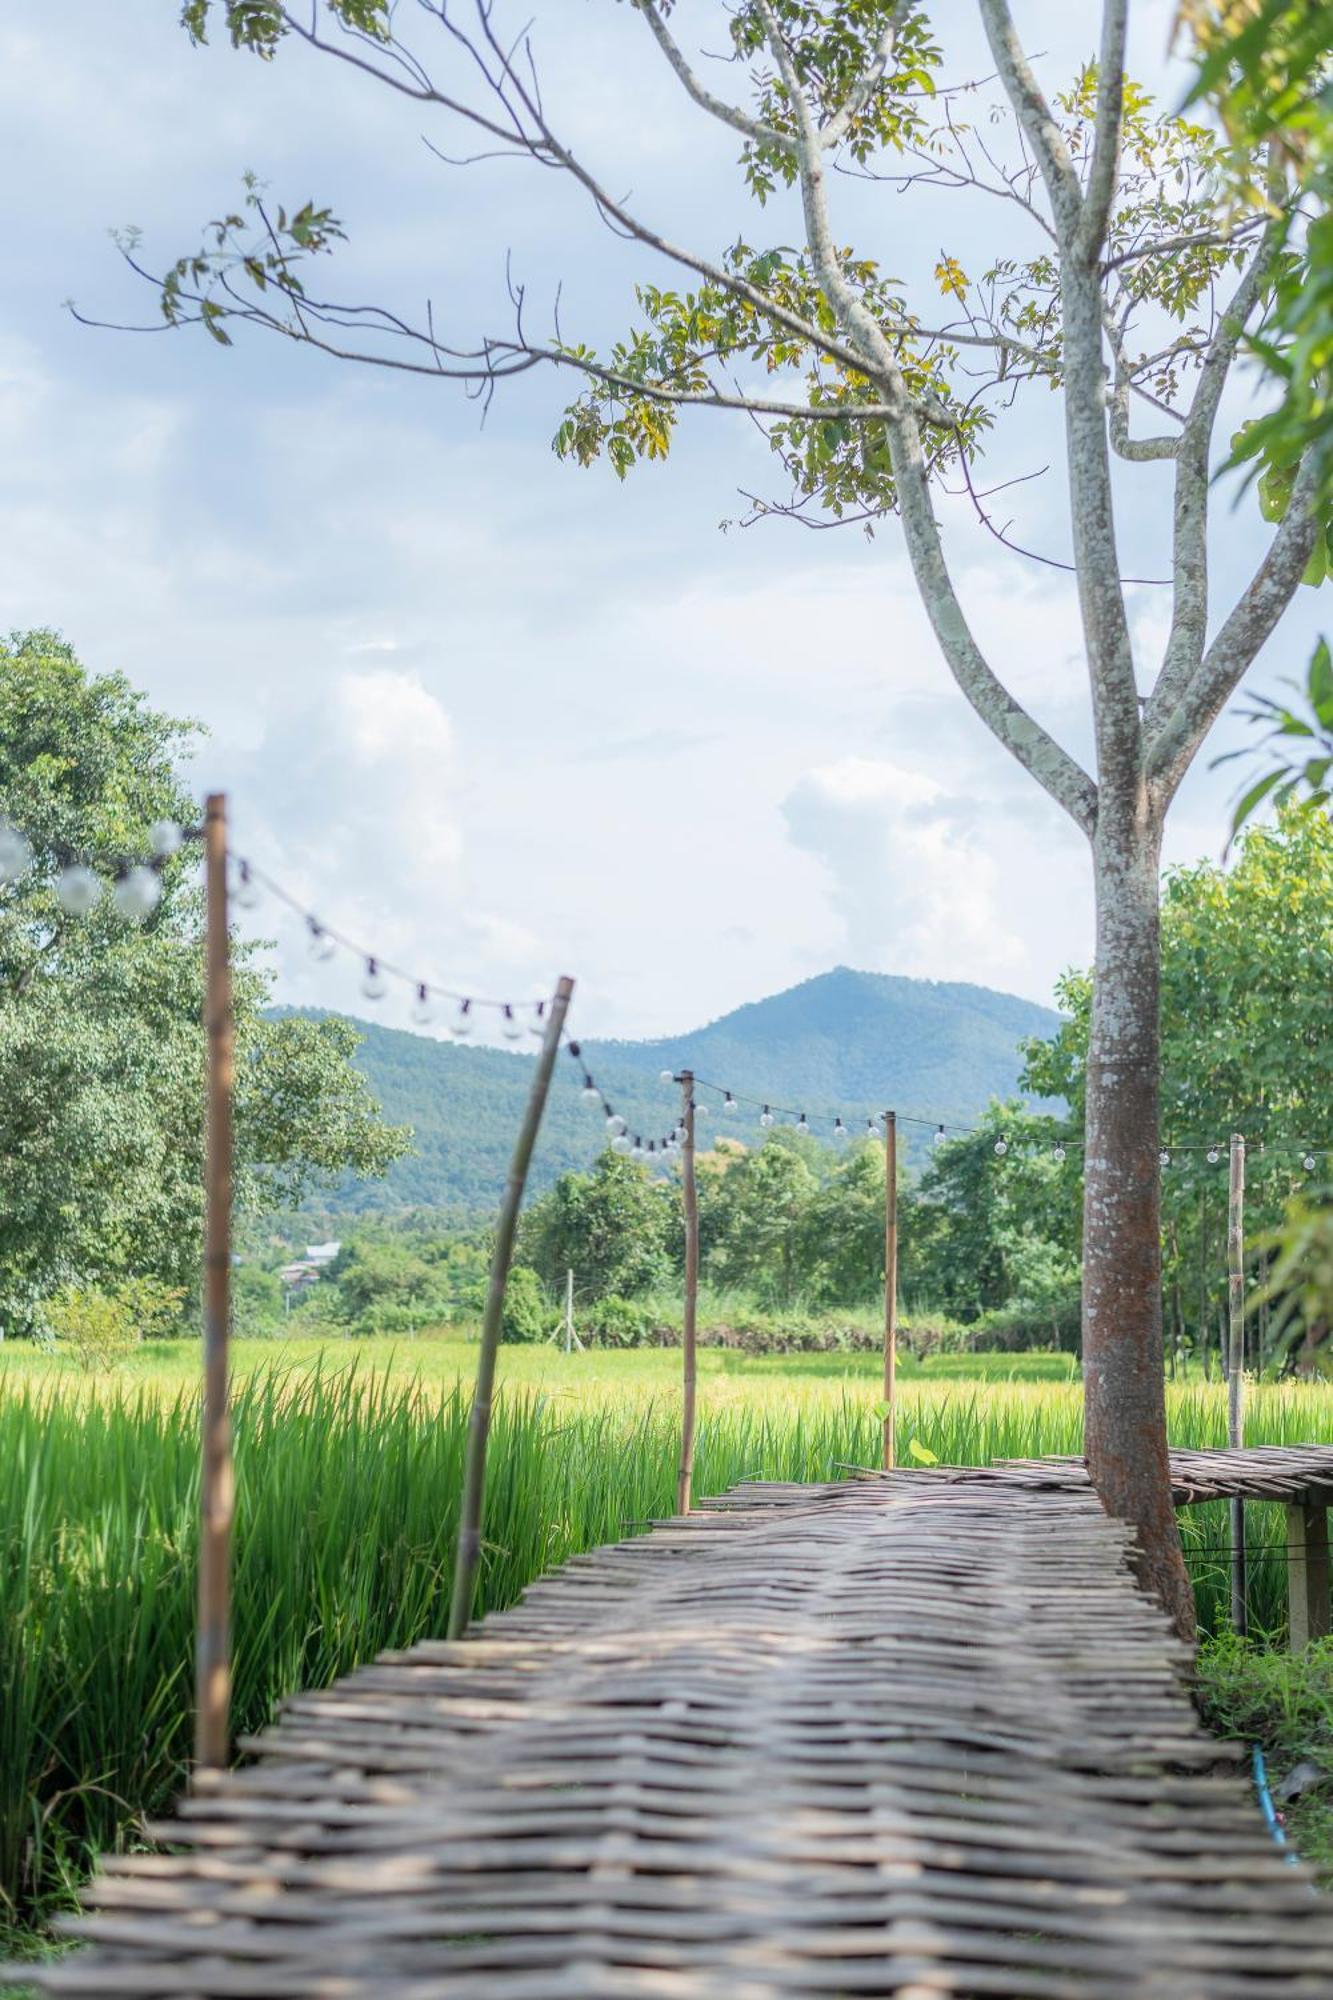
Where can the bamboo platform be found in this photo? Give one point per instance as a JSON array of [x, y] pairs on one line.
[[918, 1734]]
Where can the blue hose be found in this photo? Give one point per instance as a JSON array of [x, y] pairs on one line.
[[1275, 1826]]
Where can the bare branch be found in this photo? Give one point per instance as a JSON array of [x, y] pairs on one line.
[[1183, 655], [1096, 216], [716, 107], [1034, 116], [1251, 621]]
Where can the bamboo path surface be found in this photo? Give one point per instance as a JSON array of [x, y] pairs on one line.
[[917, 1734]]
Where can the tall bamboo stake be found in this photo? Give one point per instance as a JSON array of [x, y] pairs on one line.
[[890, 1281], [217, 1499], [1235, 1365], [468, 1552], [689, 1328]]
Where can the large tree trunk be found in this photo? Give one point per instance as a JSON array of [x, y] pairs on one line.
[[1123, 1374]]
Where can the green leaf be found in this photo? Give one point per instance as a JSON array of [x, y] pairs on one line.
[[918, 1451]]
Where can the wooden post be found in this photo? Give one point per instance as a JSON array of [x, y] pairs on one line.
[[468, 1552], [569, 1312], [1307, 1573], [212, 1733], [1235, 1366], [890, 1281], [689, 1327]]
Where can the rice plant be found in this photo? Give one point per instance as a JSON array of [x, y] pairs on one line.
[[347, 1493]]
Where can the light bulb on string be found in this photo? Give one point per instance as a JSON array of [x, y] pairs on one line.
[[462, 1023], [423, 1007], [729, 1103], [164, 838], [15, 852], [666, 1076], [1058, 1155], [940, 1136], [636, 1151], [246, 891], [137, 893], [1214, 1155], [510, 1026], [78, 889], [872, 1130], [615, 1124], [839, 1129], [590, 1093], [1309, 1163], [539, 1019], [622, 1143], [373, 984], [1001, 1148], [803, 1124], [320, 946], [1164, 1158], [766, 1118]]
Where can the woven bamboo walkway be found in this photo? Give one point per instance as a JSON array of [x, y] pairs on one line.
[[917, 1735]]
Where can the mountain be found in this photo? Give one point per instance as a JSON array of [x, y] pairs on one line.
[[846, 1043]]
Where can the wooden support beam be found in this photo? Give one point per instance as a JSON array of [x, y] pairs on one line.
[[685, 1478], [1307, 1572], [890, 1282]]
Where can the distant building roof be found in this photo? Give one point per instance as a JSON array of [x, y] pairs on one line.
[[321, 1253]]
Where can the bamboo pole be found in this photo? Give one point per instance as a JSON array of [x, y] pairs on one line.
[[1235, 1366], [890, 1282], [212, 1734], [689, 1328], [468, 1553]]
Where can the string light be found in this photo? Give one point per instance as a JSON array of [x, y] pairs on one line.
[[321, 946], [766, 1118], [666, 1076], [461, 1023], [510, 1026], [1058, 1155], [1164, 1158], [616, 1125], [941, 1136], [1001, 1148], [374, 985], [839, 1129], [590, 1093], [137, 893], [803, 1124], [872, 1130], [15, 852], [246, 893], [1214, 1155], [1309, 1163], [730, 1103], [423, 1007], [78, 889], [622, 1143], [164, 839]]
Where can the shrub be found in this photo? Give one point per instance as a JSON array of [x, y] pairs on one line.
[[101, 1328], [617, 1322], [527, 1316]]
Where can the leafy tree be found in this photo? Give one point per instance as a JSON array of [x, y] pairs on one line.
[[1299, 743], [751, 1215], [609, 1227], [527, 1314], [1247, 968], [372, 1275], [101, 1043], [1117, 286], [840, 1241], [984, 1231]]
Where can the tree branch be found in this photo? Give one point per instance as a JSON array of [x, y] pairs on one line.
[[1034, 116], [1183, 654], [716, 107], [1251, 621], [1096, 215], [1052, 766]]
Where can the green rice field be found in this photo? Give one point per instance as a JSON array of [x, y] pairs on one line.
[[348, 1474]]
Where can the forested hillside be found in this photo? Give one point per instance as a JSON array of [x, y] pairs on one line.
[[843, 1043]]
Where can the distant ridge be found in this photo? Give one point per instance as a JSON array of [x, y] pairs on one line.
[[844, 1042]]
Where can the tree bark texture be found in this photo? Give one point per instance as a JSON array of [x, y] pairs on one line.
[[1124, 1387]]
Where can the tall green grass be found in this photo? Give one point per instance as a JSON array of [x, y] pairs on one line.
[[347, 1494]]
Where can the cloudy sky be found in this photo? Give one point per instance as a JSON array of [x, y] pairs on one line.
[[497, 716]]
